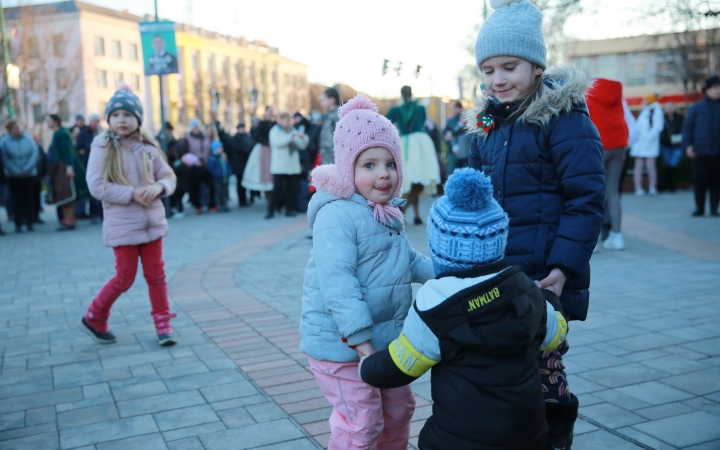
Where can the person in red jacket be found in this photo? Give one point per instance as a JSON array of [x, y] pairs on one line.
[[605, 103]]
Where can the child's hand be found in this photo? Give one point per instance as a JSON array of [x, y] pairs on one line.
[[365, 349], [555, 281], [138, 196], [151, 192]]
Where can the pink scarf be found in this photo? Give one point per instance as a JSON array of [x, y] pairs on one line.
[[385, 212]]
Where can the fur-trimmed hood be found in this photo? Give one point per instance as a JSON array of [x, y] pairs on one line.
[[564, 87], [332, 186]]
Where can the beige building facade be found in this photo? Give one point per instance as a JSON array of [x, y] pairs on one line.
[[650, 64], [72, 56]]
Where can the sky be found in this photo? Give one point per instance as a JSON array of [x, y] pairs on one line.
[[346, 42]]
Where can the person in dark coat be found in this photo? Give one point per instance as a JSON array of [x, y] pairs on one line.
[[535, 139], [701, 141], [479, 325], [42, 170], [238, 148], [671, 146], [83, 142]]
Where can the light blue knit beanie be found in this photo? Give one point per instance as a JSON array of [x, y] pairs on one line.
[[467, 227], [514, 29]]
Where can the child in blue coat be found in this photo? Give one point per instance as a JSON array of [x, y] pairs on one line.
[[220, 170], [358, 281]]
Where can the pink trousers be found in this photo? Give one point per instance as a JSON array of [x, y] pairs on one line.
[[126, 265], [363, 417]]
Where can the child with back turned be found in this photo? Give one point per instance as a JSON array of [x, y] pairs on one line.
[[357, 288], [479, 325]]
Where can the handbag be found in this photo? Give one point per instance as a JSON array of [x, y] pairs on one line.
[[62, 188]]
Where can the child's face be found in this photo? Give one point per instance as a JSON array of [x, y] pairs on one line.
[[376, 175], [123, 122], [285, 122], [508, 78]]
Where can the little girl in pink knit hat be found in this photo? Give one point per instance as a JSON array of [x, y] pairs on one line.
[[358, 281]]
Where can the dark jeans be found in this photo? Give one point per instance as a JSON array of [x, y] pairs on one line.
[[707, 178], [221, 194], [199, 176], [22, 190], [285, 188], [182, 173]]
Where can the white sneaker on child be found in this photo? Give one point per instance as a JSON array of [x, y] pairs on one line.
[[653, 192], [178, 215], [639, 193], [614, 242]]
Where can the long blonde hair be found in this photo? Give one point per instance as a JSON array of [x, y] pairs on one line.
[[113, 167]]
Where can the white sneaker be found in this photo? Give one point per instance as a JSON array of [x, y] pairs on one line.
[[653, 192], [177, 215], [614, 242], [639, 193]]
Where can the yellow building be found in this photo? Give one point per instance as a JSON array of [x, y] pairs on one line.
[[229, 79], [72, 56]]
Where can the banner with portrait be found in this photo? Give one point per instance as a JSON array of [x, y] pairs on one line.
[[158, 46]]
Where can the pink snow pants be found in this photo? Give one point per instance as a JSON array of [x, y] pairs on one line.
[[363, 417]]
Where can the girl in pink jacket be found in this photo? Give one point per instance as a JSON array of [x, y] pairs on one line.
[[130, 175]]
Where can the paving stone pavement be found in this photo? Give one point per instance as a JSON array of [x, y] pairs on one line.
[[645, 365]]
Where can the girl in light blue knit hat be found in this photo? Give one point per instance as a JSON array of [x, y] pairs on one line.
[[533, 137]]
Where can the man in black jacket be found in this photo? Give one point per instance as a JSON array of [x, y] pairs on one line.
[[701, 141], [670, 149], [238, 148]]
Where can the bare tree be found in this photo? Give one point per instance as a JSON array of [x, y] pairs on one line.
[[690, 41], [42, 52]]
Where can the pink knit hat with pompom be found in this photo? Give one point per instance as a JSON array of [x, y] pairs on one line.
[[359, 128]]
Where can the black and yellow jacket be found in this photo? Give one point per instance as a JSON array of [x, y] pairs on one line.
[[481, 332]]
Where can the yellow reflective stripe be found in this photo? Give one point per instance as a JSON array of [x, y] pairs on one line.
[[408, 359], [561, 334]]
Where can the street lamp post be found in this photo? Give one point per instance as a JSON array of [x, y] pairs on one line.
[[163, 138], [6, 62]]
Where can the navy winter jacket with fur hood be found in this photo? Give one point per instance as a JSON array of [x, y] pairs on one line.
[[547, 170]]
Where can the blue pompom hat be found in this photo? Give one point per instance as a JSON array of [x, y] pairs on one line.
[[467, 227]]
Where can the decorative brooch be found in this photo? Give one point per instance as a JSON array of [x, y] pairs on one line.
[[485, 122]]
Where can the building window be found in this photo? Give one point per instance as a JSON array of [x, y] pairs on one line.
[[58, 45], [99, 46], [38, 114], [135, 81], [117, 49], [103, 105], [607, 66], [61, 78], [101, 76], [34, 79], [63, 110], [195, 61], [635, 69], [118, 77], [33, 48], [133, 52], [666, 67], [582, 61]]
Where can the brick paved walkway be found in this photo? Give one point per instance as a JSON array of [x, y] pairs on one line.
[[646, 365]]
